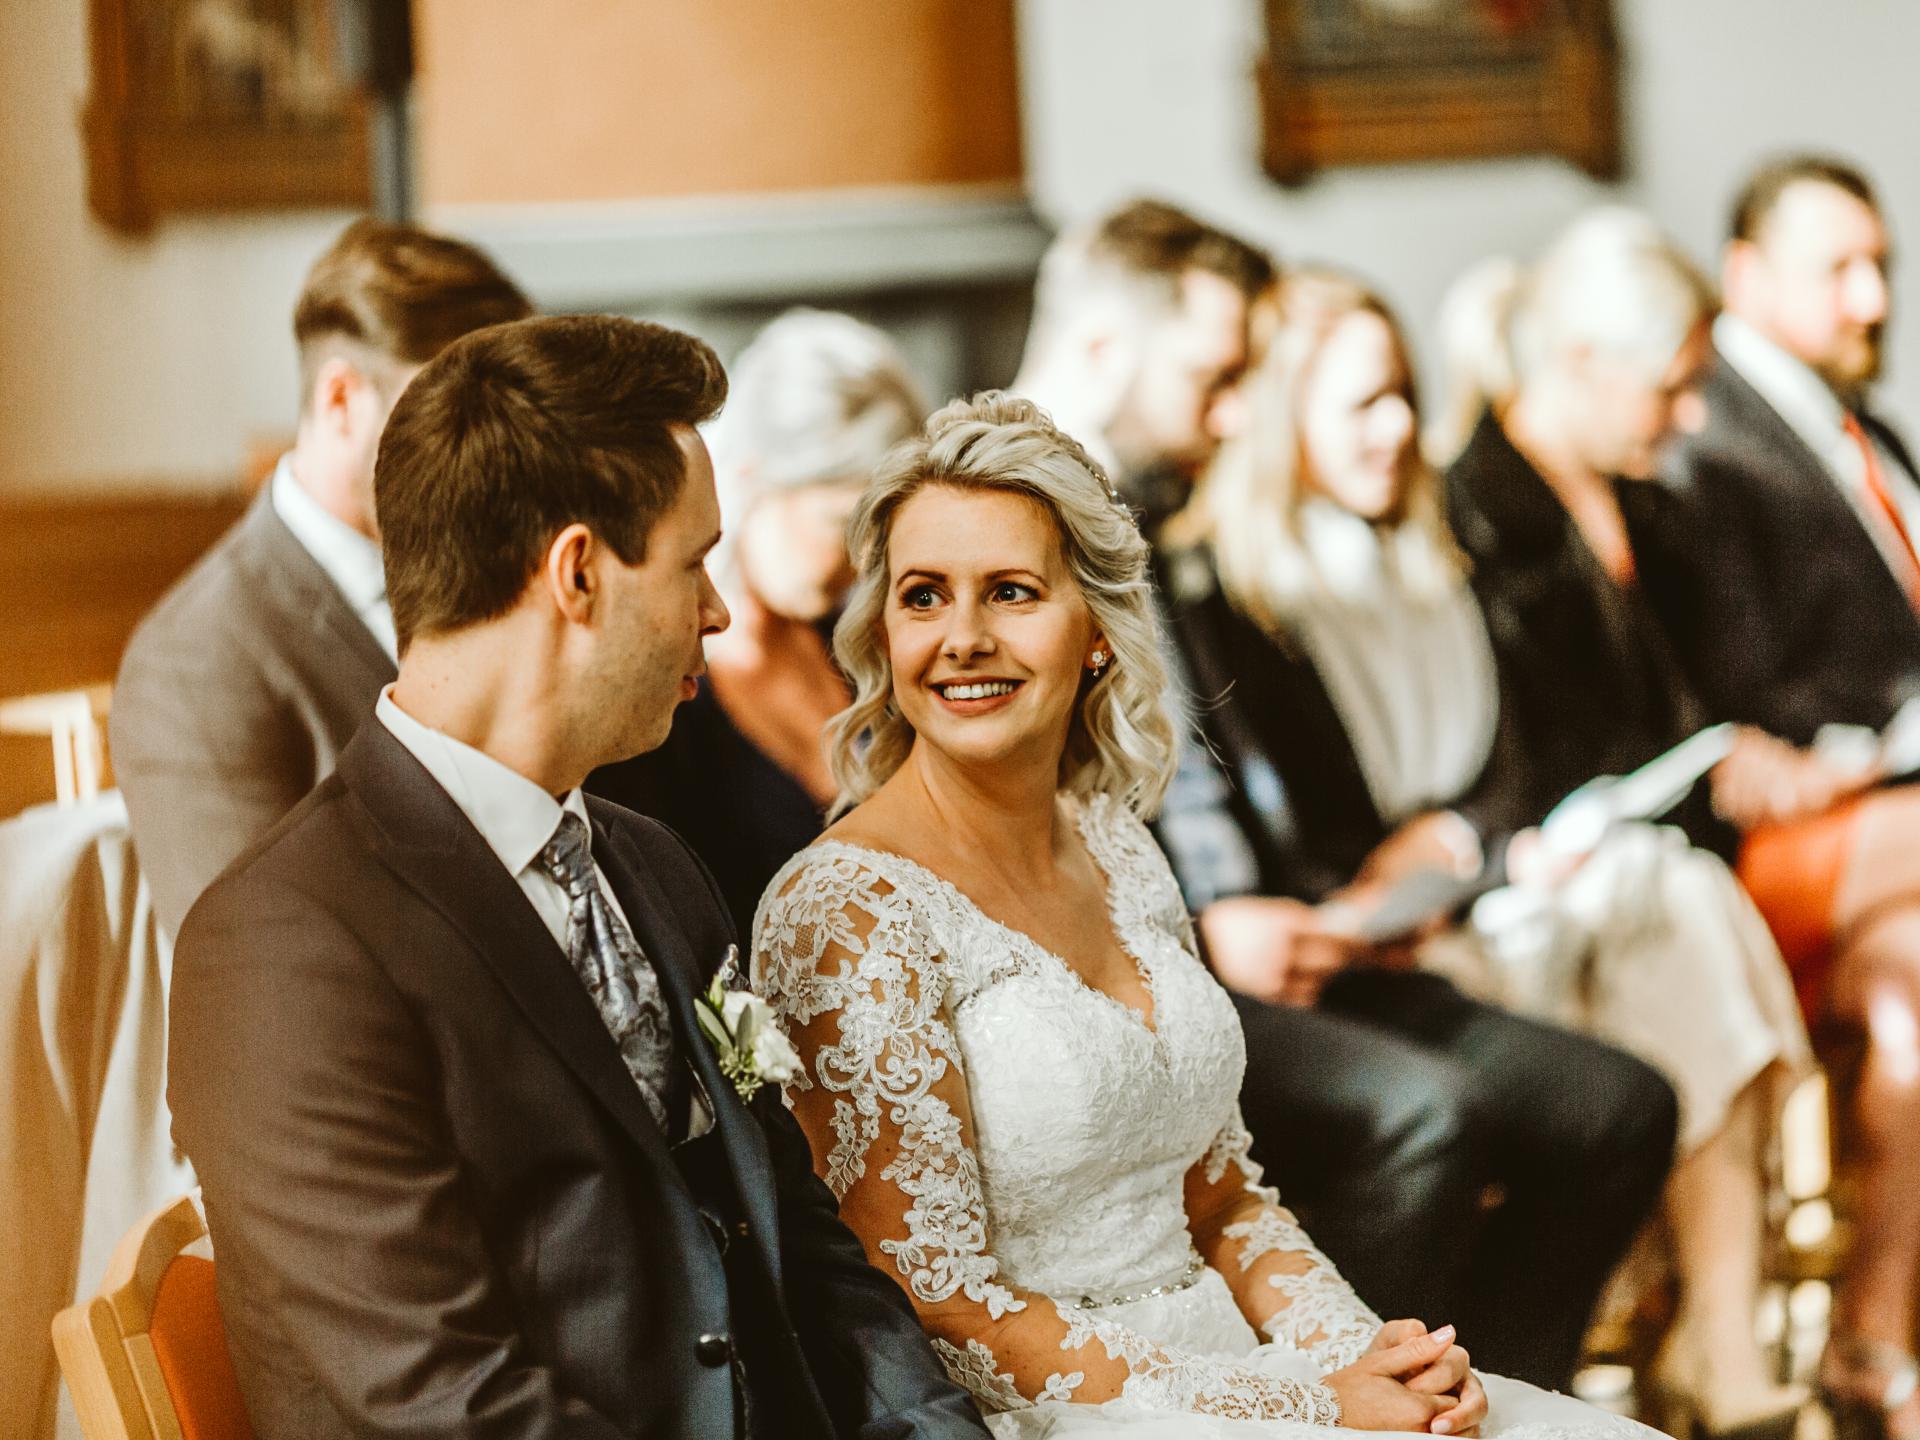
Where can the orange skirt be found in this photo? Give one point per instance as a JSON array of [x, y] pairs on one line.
[[1793, 873]]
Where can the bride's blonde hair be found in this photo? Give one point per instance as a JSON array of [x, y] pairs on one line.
[[1121, 741]]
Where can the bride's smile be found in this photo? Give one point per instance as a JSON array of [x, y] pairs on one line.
[[968, 696]]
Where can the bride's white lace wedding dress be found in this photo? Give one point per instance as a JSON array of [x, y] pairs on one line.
[[1063, 1185]]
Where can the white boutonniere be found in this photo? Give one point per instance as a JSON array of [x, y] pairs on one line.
[[741, 1028]]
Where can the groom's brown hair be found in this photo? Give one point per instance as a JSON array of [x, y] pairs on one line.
[[514, 433]]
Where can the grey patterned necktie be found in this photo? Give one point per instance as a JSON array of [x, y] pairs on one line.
[[612, 966]]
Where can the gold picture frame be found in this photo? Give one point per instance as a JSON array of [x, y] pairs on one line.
[[219, 105], [1374, 82]]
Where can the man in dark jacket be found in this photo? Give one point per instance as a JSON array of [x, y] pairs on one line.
[[1791, 597], [471, 1165], [1784, 570]]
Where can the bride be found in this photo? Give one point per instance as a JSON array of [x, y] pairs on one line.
[[1018, 1077]]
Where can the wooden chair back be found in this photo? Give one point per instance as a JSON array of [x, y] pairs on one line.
[[71, 720], [146, 1358]]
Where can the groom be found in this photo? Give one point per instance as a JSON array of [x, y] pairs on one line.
[[470, 1165]]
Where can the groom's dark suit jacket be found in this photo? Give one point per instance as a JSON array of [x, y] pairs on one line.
[[236, 695], [439, 1203]]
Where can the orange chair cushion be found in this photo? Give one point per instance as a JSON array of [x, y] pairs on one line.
[[1793, 871], [190, 1343]]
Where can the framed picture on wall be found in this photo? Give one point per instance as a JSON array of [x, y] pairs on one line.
[[1368, 82], [208, 105]]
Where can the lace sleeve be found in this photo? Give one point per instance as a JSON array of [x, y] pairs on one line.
[[861, 990], [1285, 1285]]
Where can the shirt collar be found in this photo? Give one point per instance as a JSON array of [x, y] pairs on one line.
[[1790, 386], [351, 561], [513, 815]]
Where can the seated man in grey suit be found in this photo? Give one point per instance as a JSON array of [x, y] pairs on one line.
[[238, 692], [470, 1163]]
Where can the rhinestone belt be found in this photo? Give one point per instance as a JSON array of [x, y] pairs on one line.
[[1196, 1267]]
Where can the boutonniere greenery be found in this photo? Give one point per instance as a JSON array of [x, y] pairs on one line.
[[743, 1032]]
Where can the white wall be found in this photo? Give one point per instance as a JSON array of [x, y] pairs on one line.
[[155, 362], [1129, 96], [162, 361]]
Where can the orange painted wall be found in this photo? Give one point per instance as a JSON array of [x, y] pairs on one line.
[[543, 100]]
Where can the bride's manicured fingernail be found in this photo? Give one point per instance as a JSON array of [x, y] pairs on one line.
[[1441, 1427], [1444, 1334]]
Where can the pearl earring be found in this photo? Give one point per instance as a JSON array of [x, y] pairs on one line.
[[1099, 659]]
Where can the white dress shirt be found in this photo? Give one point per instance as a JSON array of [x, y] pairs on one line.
[[1805, 401], [351, 561], [516, 818]]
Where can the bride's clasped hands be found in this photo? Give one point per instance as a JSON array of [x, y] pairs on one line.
[[1411, 1379], [1018, 1078]]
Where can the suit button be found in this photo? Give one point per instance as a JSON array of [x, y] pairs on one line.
[[713, 1350]]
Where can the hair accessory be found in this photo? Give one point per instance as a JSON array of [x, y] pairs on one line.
[[1119, 502], [1100, 474]]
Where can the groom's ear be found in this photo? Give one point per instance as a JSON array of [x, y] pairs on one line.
[[567, 574]]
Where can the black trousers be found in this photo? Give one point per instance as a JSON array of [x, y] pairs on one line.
[[1384, 1116]]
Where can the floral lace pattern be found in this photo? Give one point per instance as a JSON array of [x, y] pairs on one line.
[[1001, 1134], [1322, 1315], [974, 1371], [1231, 1147], [1159, 1381]]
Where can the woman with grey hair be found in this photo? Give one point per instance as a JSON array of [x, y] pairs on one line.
[[1017, 1076], [1476, 357], [816, 400], [1550, 499]]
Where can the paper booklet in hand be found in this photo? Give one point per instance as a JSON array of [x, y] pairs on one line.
[[1572, 830]]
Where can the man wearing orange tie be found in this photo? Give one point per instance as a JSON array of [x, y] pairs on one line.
[[1786, 574]]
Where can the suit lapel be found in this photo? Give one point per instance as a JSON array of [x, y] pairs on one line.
[[425, 839], [682, 978], [342, 625], [313, 602], [1807, 492], [1890, 441], [1754, 419]]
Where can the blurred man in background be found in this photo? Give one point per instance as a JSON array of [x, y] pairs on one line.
[[1139, 338], [1802, 614], [239, 691], [1785, 573]]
